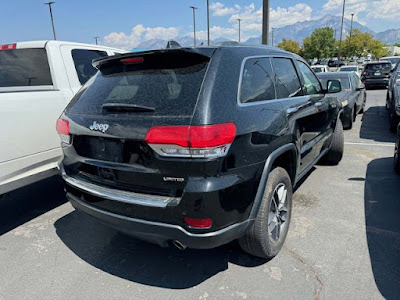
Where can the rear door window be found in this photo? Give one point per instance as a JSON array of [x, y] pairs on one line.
[[257, 81], [168, 83], [83, 62], [24, 67], [287, 82]]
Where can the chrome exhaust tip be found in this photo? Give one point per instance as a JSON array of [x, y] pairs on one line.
[[179, 245]]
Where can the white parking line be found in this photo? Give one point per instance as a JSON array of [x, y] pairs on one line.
[[371, 144]]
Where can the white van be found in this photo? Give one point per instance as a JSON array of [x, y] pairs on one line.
[[37, 81]]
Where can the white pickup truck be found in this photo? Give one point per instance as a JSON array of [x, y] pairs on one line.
[[37, 81]]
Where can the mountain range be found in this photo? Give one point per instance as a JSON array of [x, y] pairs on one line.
[[296, 32]]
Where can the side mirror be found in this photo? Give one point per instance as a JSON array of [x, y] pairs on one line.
[[334, 86]]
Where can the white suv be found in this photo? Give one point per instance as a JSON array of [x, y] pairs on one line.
[[37, 81]]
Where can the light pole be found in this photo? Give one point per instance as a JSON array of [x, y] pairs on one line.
[[351, 30], [51, 16], [95, 38], [272, 33], [194, 24], [239, 28], [208, 22], [341, 33], [265, 22]]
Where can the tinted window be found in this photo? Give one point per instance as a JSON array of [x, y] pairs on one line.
[[83, 63], [354, 83], [345, 82], [24, 67], [318, 70], [311, 83], [348, 69], [257, 83], [379, 67], [286, 80], [168, 82]]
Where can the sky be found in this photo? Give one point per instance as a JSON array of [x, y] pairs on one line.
[[127, 23]]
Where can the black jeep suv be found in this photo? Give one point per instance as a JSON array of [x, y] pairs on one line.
[[198, 146]]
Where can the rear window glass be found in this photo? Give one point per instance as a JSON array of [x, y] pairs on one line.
[[348, 69], [318, 70], [24, 67], [168, 83], [257, 83], [345, 82], [83, 63], [379, 67]]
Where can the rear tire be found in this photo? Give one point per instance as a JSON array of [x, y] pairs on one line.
[[267, 234], [335, 153]]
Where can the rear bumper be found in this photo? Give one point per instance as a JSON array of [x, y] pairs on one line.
[[162, 233], [376, 82]]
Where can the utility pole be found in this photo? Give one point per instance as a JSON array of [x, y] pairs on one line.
[[239, 28], [272, 32], [194, 24], [351, 26], [95, 38], [51, 16], [208, 22], [265, 22], [341, 33]]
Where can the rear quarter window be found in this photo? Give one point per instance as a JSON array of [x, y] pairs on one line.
[[24, 67], [83, 63]]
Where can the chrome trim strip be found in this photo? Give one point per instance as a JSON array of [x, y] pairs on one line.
[[121, 196], [159, 224]]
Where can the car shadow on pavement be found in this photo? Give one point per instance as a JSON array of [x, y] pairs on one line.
[[141, 262], [375, 125], [24, 204], [382, 217]]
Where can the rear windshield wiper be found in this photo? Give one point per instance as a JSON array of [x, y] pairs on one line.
[[124, 107]]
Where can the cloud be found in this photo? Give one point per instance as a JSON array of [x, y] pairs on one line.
[[279, 17], [220, 9], [139, 34], [371, 9]]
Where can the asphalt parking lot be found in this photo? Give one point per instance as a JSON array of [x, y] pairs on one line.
[[343, 243]]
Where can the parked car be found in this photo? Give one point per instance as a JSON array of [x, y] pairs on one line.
[[392, 59], [350, 68], [376, 74], [334, 63], [37, 80], [393, 98], [198, 146], [353, 95], [320, 68]]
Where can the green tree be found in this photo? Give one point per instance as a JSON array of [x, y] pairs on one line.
[[361, 43], [290, 45], [320, 44]]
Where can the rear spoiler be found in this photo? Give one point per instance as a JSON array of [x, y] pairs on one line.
[[97, 63]]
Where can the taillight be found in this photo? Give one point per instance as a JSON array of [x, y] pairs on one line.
[[62, 127], [8, 47], [198, 223], [192, 141], [133, 60]]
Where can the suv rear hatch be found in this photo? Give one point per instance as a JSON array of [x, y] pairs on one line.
[[110, 117], [377, 70]]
